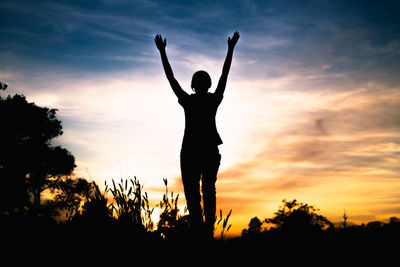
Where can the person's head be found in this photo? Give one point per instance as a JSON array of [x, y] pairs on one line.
[[201, 82]]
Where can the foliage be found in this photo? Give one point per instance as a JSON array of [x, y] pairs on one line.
[[70, 193], [295, 216], [254, 227], [28, 161], [170, 221], [96, 209], [225, 227], [131, 206], [3, 86]]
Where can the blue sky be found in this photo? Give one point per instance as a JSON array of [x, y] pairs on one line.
[[311, 109], [103, 36]]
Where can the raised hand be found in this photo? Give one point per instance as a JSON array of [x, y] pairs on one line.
[[227, 64], [232, 41], [160, 43]]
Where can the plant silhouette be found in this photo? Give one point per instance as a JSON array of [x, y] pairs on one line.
[[69, 193], [171, 224], [200, 157], [29, 163], [294, 216]]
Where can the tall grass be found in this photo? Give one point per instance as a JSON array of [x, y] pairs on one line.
[[224, 226], [171, 223], [130, 207], [96, 205]]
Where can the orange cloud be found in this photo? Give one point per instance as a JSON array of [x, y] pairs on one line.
[[341, 156]]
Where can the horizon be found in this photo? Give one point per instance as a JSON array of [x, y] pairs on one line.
[[310, 111]]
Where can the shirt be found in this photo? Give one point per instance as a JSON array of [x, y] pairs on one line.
[[200, 126]]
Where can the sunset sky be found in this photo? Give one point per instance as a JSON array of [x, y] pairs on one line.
[[311, 109]]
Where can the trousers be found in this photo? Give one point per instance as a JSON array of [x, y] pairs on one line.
[[200, 165]]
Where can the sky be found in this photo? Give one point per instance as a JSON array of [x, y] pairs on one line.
[[311, 110]]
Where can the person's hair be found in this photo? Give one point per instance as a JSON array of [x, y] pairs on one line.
[[201, 81]]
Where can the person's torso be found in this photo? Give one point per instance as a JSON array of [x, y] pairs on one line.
[[200, 125]]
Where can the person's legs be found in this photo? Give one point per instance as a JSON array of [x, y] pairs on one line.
[[190, 171], [211, 163]]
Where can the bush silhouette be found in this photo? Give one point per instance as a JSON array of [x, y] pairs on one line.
[[69, 194], [295, 216], [254, 227]]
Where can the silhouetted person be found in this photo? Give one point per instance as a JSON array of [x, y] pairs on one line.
[[200, 158]]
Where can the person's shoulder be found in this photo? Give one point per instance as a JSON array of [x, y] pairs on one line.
[[215, 97], [185, 98]]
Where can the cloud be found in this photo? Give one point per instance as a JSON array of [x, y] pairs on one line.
[[333, 153]]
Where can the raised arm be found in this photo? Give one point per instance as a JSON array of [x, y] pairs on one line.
[[161, 44], [227, 64]]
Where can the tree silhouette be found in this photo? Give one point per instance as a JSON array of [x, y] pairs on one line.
[[3, 86], [29, 163], [254, 227], [295, 216]]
